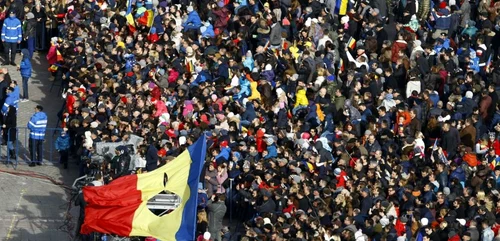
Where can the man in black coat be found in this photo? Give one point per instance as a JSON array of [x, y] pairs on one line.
[[366, 202], [3, 88], [422, 63], [381, 35], [451, 140], [151, 158]]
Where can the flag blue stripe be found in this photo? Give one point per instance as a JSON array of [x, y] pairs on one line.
[[187, 230], [129, 6]]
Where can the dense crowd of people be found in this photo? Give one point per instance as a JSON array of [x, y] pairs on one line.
[[327, 120]]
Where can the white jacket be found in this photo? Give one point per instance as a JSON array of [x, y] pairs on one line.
[[413, 85]]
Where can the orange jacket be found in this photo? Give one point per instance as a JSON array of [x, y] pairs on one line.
[[404, 114]]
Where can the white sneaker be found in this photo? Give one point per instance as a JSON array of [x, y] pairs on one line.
[[24, 100]]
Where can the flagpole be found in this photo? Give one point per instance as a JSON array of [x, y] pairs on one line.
[[231, 200], [433, 148]]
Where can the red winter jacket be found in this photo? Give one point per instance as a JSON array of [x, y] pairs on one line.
[[396, 47], [496, 145], [341, 179], [400, 228], [289, 209], [261, 144], [454, 238]]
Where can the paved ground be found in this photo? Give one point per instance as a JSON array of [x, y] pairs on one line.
[[34, 209]]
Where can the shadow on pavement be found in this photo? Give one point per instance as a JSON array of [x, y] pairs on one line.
[[37, 219]]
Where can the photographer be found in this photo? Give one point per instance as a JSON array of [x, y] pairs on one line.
[[121, 162]]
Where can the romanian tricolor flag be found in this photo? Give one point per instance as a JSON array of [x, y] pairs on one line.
[[120, 208], [189, 66], [341, 7], [341, 65], [151, 16], [146, 19], [131, 22], [130, 17], [351, 43], [59, 56]]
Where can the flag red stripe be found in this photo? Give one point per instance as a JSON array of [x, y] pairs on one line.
[[106, 204]]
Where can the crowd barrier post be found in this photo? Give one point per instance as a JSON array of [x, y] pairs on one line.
[[22, 146]]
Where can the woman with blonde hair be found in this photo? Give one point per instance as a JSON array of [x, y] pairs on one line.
[[201, 223]]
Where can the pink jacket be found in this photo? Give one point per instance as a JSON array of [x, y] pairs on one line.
[[220, 180], [161, 108], [52, 55]]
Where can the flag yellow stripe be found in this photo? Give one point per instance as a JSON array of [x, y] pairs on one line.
[[145, 223], [130, 19]]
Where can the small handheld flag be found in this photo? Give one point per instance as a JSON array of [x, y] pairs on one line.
[[351, 43]]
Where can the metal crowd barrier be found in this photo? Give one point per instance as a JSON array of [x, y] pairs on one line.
[[21, 146]]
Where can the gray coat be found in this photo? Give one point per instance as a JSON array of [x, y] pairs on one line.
[[216, 212], [465, 13], [275, 37], [211, 184]]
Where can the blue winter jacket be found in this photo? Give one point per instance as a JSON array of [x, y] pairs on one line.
[[209, 32], [458, 174], [62, 143], [192, 22], [11, 30], [16, 96], [443, 19], [249, 63], [223, 156], [249, 114], [200, 78], [37, 126], [25, 66], [272, 152], [245, 87], [11, 100], [268, 75]]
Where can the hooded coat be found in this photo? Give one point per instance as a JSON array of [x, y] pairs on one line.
[[62, 142], [249, 114], [301, 99], [25, 66]]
